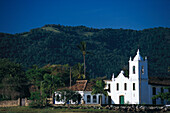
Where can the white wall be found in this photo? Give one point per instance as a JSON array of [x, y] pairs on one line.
[[84, 95]]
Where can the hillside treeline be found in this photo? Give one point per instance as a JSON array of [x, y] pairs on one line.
[[109, 49]]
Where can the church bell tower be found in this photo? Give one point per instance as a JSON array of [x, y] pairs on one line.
[[138, 75]]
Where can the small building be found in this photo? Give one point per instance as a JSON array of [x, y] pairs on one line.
[[84, 88]]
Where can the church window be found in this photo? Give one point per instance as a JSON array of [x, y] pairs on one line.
[[94, 99], [125, 86], [162, 100], [117, 86], [88, 98], [154, 90], [142, 70], [133, 86], [133, 69]]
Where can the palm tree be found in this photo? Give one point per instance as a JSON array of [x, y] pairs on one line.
[[82, 47], [98, 88], [78, 71]]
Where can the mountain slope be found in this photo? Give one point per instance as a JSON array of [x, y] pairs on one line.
[[110, 48]]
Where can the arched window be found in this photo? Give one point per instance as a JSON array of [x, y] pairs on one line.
[[142, 70], [154, 90], [133, 69], [94, 99], [88, 98]]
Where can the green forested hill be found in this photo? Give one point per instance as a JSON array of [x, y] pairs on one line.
[[110, 48]]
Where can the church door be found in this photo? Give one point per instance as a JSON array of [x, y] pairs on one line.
[[121, 99]]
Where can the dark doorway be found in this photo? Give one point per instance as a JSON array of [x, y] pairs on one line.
[[109, 100], [79, 99]]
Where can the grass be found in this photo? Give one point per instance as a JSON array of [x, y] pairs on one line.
[[21, 109], [51, 29]]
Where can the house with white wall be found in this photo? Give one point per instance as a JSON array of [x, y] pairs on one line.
[[84, 88]]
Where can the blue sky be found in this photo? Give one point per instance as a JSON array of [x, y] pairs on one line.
[[22, 15]]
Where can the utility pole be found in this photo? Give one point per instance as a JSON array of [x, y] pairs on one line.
[[70, 77], [140, 87]]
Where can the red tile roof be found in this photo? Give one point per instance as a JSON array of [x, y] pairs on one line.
[[81, 85], [89, 86]]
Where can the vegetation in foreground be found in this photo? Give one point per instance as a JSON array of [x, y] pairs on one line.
[[48, 110], [76, 109]]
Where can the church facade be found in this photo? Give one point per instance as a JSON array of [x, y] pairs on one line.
[[137, 88], [134, 89]]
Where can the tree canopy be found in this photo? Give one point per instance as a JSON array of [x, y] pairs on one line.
[[13, 82], [98, 88]]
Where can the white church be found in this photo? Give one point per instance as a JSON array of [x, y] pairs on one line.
[[134, 89]]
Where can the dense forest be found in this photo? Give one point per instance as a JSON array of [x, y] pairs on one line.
[[109, 49]]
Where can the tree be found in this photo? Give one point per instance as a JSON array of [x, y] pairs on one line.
[[98, 88], [60, 71], [78, 71], [13, 82], [68, 95], [163, 95], [45, 82], [82, 47], [38, 99], [35, 75], [51, 83]]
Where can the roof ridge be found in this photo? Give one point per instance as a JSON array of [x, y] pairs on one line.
[[85, 85], [81, 80]]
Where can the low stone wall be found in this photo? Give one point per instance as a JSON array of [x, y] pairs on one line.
[[10, 103], [50, 100], [27, 102]]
